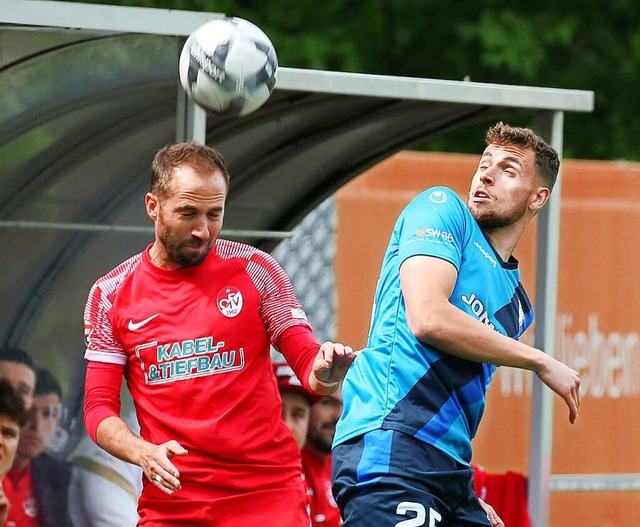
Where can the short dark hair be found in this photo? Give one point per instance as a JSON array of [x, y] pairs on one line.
[[200, 157], [11, 354], [12, 404], [46, 383], [547, 160]]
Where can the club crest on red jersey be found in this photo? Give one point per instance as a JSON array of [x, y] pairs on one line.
[[230, 301]]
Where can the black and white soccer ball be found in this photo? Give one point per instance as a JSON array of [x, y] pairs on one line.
[[228, 66]]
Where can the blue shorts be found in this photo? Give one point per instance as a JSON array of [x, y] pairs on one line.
[[390, 479]]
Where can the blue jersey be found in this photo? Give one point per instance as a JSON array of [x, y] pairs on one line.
[[400, 383]]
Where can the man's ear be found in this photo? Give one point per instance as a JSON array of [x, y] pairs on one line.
[[539, 198], [151, 203]]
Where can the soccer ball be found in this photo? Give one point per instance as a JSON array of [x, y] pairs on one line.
[[228, 66]]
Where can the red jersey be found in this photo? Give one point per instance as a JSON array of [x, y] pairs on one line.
[[317, 471], [23, 511], [195, 343]]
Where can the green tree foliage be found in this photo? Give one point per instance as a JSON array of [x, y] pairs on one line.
[[589, 44]]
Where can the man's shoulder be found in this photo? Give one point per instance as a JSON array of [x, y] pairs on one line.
[[247, 255], [108, 284], [440, 206], [440, 196], [230, 249], [51, 477], [111, 281], [50, 467], [45, 459]]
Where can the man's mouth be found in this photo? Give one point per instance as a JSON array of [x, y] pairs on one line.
[[482, 194]]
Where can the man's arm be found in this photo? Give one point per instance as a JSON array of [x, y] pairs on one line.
[[109, 431], [319, 367], [330, 366], [427, 284], [115, 436]]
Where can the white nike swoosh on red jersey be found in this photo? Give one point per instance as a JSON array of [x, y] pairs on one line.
[[133, 326]]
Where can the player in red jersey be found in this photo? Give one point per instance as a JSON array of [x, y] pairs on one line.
[[189, 323], [13, 416], [296, 400], [316, 460]]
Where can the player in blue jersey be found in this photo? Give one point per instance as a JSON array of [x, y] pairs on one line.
[[449, 307]]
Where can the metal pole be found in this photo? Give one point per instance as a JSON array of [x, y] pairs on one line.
[[545, 336], [135, 229], [191, 120]]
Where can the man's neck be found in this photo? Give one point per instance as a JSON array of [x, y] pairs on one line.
[[21, 463], [159, 257], [315, 450], [505, 239]]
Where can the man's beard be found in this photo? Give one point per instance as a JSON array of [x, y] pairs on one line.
[[174, 248], [322, 442], [490, 219]]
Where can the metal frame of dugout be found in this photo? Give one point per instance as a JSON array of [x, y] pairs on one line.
[[548, 104]]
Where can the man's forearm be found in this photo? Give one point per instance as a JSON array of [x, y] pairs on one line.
[[457, 333], [115, 436]]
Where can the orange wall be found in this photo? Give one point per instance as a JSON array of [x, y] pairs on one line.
[[598, 318]]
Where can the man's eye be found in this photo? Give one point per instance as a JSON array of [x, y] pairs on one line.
[[7, 432]]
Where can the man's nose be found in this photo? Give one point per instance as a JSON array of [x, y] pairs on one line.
[[488, 175], [200, 229]]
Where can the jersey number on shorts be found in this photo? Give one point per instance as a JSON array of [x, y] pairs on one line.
[[421, 515]]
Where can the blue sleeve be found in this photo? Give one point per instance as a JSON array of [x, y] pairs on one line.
[[433, 224]]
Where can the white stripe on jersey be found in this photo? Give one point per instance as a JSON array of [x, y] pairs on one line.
[[96, 314]]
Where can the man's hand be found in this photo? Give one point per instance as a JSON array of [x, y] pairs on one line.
[[157, 466], [495, 520], [115, 436], [564, 381], [330, 366]]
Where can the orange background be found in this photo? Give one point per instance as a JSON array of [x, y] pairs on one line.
[[598, 313]]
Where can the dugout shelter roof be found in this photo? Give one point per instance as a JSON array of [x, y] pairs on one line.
[[88, 93]]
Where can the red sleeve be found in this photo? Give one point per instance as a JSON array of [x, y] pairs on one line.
[[102, 345], [279, 306], [101, 394], [299, 346]]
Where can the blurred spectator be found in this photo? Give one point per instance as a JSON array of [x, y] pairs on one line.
[[296, 401], [507, 494], [95, 474], [37, 484], [13, 416], [18, 369], [312, 419], [316, 460]]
